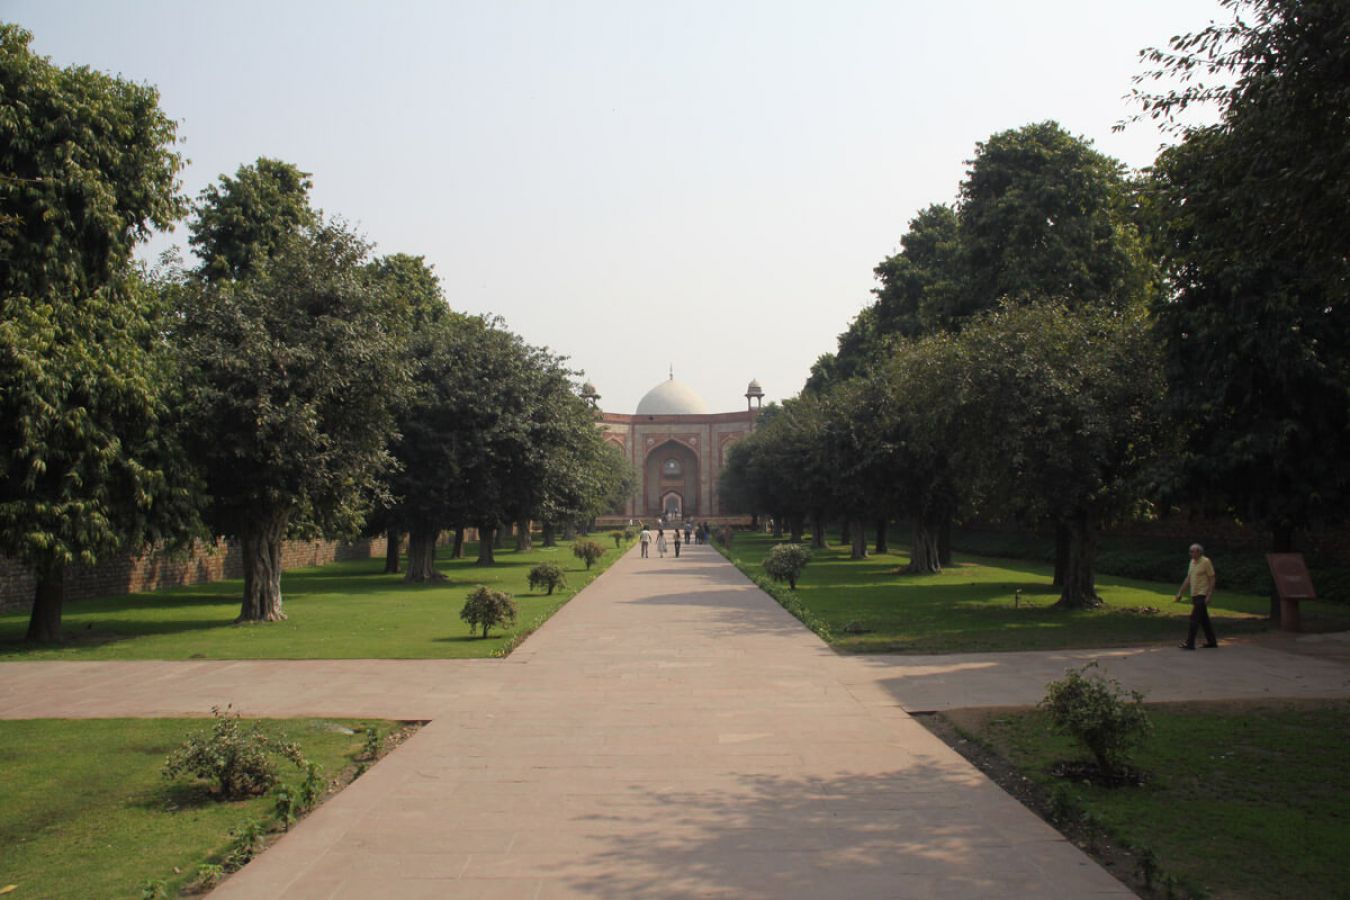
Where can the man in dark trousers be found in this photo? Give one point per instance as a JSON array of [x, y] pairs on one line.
[[1200, 580]]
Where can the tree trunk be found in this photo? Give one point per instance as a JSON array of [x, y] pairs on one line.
[[882, 546], [777, 526], [924, 558], [1080, 589], [818, 541], [422, 555], [569, 530], [550, 539], [857, 539], [391, 550], [260, 540], [945, 541], [457, 552], [524, 540], [1061, 554], [795, 527], [486, 535], [498, 537], [846, 532], [44, 622]]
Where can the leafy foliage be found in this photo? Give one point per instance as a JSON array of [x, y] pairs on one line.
[[244, 221], [1252, 216], [1096, 712], [288, 405], [786, 562], [239, 762], [547, 575], [588, 551], [88, 465], [486, 608]]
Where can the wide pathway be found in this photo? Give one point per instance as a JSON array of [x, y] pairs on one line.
[[671, 732]]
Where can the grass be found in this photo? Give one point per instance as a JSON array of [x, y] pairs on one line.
[[971, 607], [84, 811], [347, 610], [1242, 799]]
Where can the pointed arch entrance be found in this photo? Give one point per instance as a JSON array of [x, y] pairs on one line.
[[670, 481]]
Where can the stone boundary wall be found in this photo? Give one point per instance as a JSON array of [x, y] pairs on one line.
[[153, 571]]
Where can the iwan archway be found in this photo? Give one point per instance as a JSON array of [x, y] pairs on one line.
[[670, 481], [678, 448]]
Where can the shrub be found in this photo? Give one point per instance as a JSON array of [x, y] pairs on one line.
[[248, 842], [785, 562], [238, 761], [286, 806], [619, 537], [486, 608], [371, 750], [1095, 711], [547, 575], [588, 552]]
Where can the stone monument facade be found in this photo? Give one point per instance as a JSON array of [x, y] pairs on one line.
[[679, 448]]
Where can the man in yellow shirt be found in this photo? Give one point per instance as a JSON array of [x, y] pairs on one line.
[[1200, 579]]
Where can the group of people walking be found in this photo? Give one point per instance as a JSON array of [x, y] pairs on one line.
[[690, 533]]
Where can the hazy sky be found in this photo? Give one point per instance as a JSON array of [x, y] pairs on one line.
[[634, 184]]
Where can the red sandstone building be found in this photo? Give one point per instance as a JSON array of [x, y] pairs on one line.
[[678, 447]]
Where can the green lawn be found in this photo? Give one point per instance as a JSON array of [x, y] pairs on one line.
[[348, 610], [84, 811], [1242, 799], [970, 606]]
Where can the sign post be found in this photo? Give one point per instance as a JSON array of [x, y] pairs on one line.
[[1292, 584]]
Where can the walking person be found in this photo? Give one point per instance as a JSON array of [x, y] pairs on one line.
[[645, 539], [677, 543], [1200, 579], [688, 532], [661, 542]]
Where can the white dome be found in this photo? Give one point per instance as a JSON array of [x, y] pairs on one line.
[[671, 398]]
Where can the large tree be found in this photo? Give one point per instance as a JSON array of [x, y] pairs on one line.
[[1058, 410], [87, 465], [421, 488], [288, 410], [1255, 211], [917, 389]]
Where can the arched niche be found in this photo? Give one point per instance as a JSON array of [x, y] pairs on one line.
[[671, 467]]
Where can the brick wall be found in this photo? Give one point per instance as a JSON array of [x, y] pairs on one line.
[[153, 571]]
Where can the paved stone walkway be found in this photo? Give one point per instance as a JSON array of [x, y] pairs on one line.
[[670, 733]]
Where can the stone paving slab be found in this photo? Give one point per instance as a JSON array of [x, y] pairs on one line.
[[1233, 671]]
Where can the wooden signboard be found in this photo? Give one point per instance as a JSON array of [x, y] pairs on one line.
[[1292, 581]]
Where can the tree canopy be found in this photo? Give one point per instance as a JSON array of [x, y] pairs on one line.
[[88, 465], [1254, 212]]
